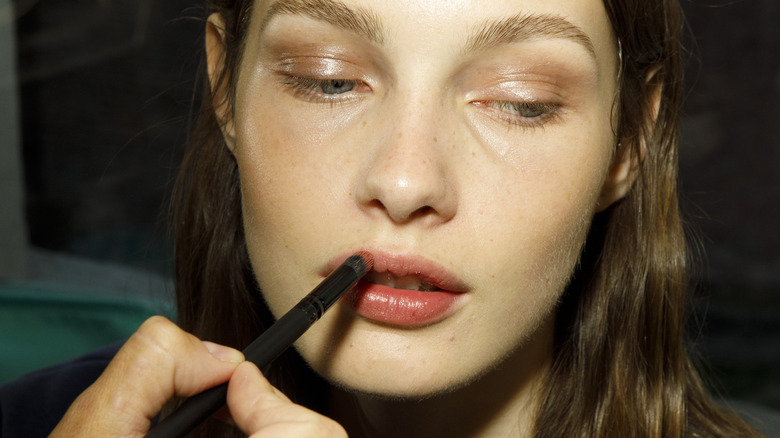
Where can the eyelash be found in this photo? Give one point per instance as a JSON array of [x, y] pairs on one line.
[[312, 89], [512, 112]]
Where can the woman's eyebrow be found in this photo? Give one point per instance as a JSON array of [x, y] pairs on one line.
[[524, 27], [332, 12], [492, 33]]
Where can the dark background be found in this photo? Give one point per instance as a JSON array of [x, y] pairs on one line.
[[105, 90]]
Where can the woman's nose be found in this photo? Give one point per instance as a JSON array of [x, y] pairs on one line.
[[409, 176]]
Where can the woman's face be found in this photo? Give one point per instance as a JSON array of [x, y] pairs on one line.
[[466, 144]]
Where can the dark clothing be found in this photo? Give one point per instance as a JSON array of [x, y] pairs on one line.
[[32, 405]]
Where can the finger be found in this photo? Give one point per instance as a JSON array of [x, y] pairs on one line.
[[262, 411], [157, 362]]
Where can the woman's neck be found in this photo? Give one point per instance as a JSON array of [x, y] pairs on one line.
[[502, 403]]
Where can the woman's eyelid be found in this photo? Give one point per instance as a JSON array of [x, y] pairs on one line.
[[325, 67], [518, 100], [517, 90]]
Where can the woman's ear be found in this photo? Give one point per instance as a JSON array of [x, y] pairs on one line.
[[628, 157], [219, 77], [621, 175]]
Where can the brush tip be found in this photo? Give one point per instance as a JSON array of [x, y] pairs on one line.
[[361, 262]]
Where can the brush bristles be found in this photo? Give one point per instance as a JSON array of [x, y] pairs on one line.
[[361, 262]]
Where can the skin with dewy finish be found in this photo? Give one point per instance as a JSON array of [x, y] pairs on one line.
[[465, 137]]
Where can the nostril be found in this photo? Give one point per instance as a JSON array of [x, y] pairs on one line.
[[422, 212], [376, 204], [399, 215]]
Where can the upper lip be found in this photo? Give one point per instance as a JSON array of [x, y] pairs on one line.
[[402, 265]]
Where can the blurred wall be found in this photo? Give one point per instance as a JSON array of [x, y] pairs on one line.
[[13, 230], [105, 89], [730, 151], [730, 172]]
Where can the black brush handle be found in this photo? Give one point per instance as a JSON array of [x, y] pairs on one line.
[[268, 346]]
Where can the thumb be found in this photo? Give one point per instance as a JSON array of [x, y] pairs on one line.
[[262, 411]]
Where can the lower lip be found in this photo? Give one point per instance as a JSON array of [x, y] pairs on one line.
[[402, 307]]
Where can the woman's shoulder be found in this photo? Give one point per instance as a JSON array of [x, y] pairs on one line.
[[33, 404]]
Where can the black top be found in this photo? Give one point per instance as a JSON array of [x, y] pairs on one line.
[[32, 405]]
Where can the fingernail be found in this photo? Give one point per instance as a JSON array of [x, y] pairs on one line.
[[223, 353]]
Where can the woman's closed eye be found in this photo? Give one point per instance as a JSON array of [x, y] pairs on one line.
[[325, 90], [523, 114]]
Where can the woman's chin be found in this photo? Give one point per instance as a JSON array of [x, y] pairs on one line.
[[400, 369], [408, 380], [398, 391]]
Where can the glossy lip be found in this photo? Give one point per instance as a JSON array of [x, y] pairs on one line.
[[403, 307]]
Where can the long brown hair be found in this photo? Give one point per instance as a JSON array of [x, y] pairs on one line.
[[620, 367]]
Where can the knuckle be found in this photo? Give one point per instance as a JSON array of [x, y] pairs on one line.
[[159, 334], [155, 323]]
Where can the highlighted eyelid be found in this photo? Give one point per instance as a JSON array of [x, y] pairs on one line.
[[526, 100], [321, 78], [328, 67], [318, 67], [521, 91]]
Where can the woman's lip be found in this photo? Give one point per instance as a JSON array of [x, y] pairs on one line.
[[403, 265], [402, 307]]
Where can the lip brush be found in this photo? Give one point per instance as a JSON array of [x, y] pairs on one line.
[[270, 344]]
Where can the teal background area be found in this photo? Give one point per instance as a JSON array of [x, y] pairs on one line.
[[43, 324]]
